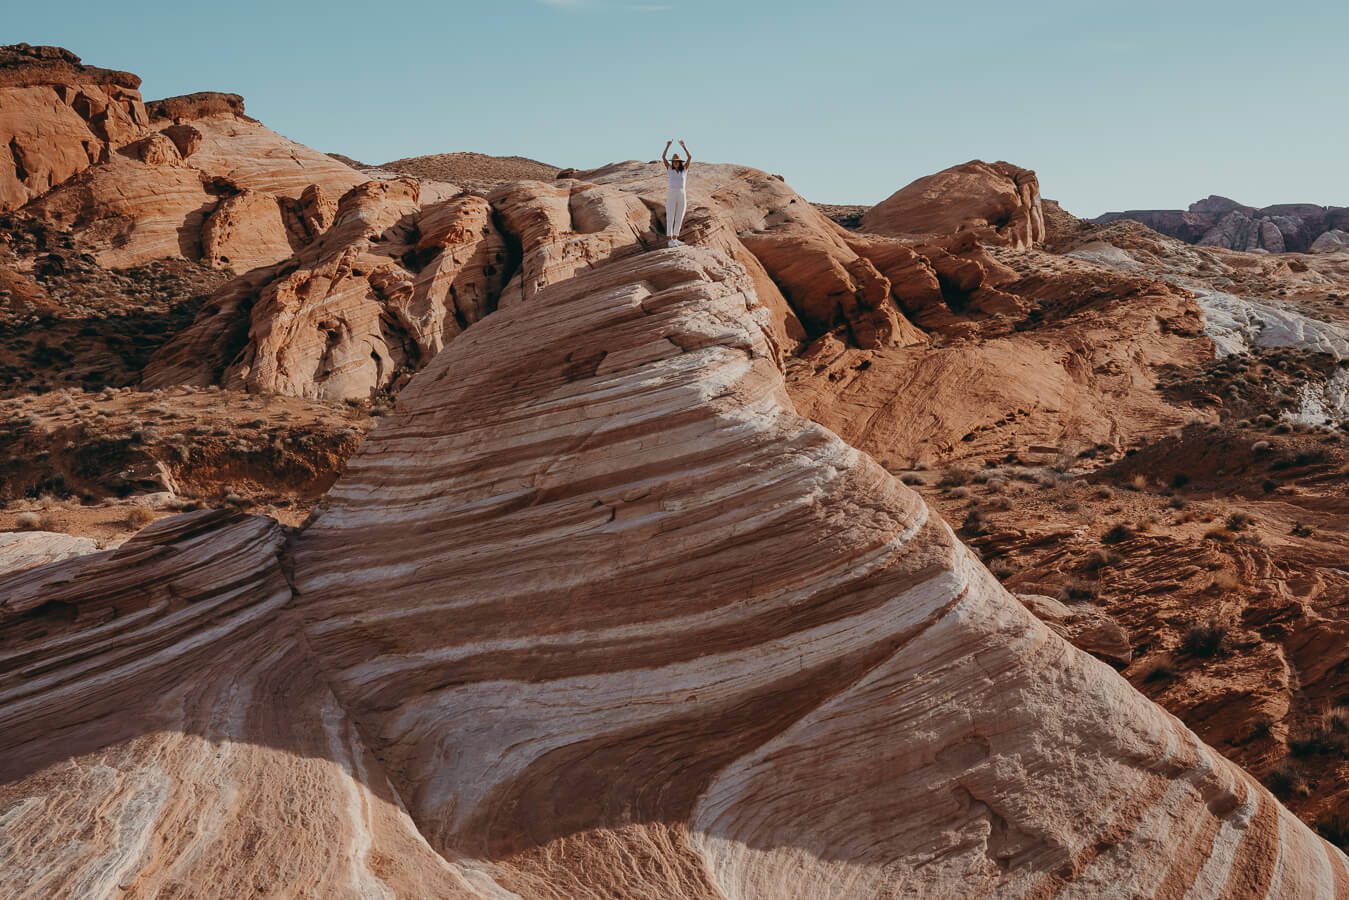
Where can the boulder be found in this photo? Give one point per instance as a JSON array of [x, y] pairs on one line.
[[999, 202], [1334, 241]]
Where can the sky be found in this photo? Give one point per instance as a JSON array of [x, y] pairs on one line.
[[1117, 105]]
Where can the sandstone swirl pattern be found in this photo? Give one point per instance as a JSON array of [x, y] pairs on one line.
[[616, 619], [596, 614], [164, 733]]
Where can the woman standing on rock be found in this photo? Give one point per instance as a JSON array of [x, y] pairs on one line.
[[676, 200]]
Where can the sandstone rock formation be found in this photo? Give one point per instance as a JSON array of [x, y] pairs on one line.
[[1221, 222], [140, 181], [1333, 241], [58, 117], [998, 201], [1084, 625], [813, 276], [584, 612], [24, 550], [746, 602], [381, 292], [222, 188], [1073, 362], [163, 731]]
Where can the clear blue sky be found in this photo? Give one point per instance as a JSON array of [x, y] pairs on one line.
[[1122, 104]]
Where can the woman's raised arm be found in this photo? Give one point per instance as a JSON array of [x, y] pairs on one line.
[[688, 157], [664, 153]]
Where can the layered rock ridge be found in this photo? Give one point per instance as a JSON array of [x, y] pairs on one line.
[[616, 619], [164, 732]]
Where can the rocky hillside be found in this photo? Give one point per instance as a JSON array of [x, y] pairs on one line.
[[1219, 222], [466, 540]]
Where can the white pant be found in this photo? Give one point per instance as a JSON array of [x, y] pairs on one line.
[[676, 204]]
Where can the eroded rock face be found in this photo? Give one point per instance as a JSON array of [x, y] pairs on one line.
[[139, 182], [595, 607], [566, 627], [156, 199], [1221, 222], [59, 117], [520, 239], [998, 201], [383, 290]]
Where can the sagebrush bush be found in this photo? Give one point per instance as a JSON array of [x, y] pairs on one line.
[[1204, 639]]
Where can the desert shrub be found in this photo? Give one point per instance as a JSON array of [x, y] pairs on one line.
[[975, 525], [139, 517], [1104, 492], [1259, 448], [1238, 520], [1261, 728], [1100, 559], [1221, 535], [1161, 667], [1001, 504], [1268, 485], [1079, 591], [959, 493], [28, 521], [1335, 720], [1179, 480], [1204, 639], [1117, 534], [955, 477], [1001, 569], [1176, 503], [1334, 828], [1285, 782], [913, 479]]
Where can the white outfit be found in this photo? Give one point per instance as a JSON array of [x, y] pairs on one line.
[[676, 202]]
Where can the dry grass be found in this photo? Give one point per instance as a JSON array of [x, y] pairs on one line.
[[139, 517]]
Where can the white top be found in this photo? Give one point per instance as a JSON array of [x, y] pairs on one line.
[[676, 178]]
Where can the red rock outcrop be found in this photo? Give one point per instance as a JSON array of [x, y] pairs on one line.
[[1073, 361], [998, 201], [807, 271], [224, 189], [139, 182], [59, 117], [381, 292]]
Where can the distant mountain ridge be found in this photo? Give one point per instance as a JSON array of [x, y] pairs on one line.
[[1219, 221]]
